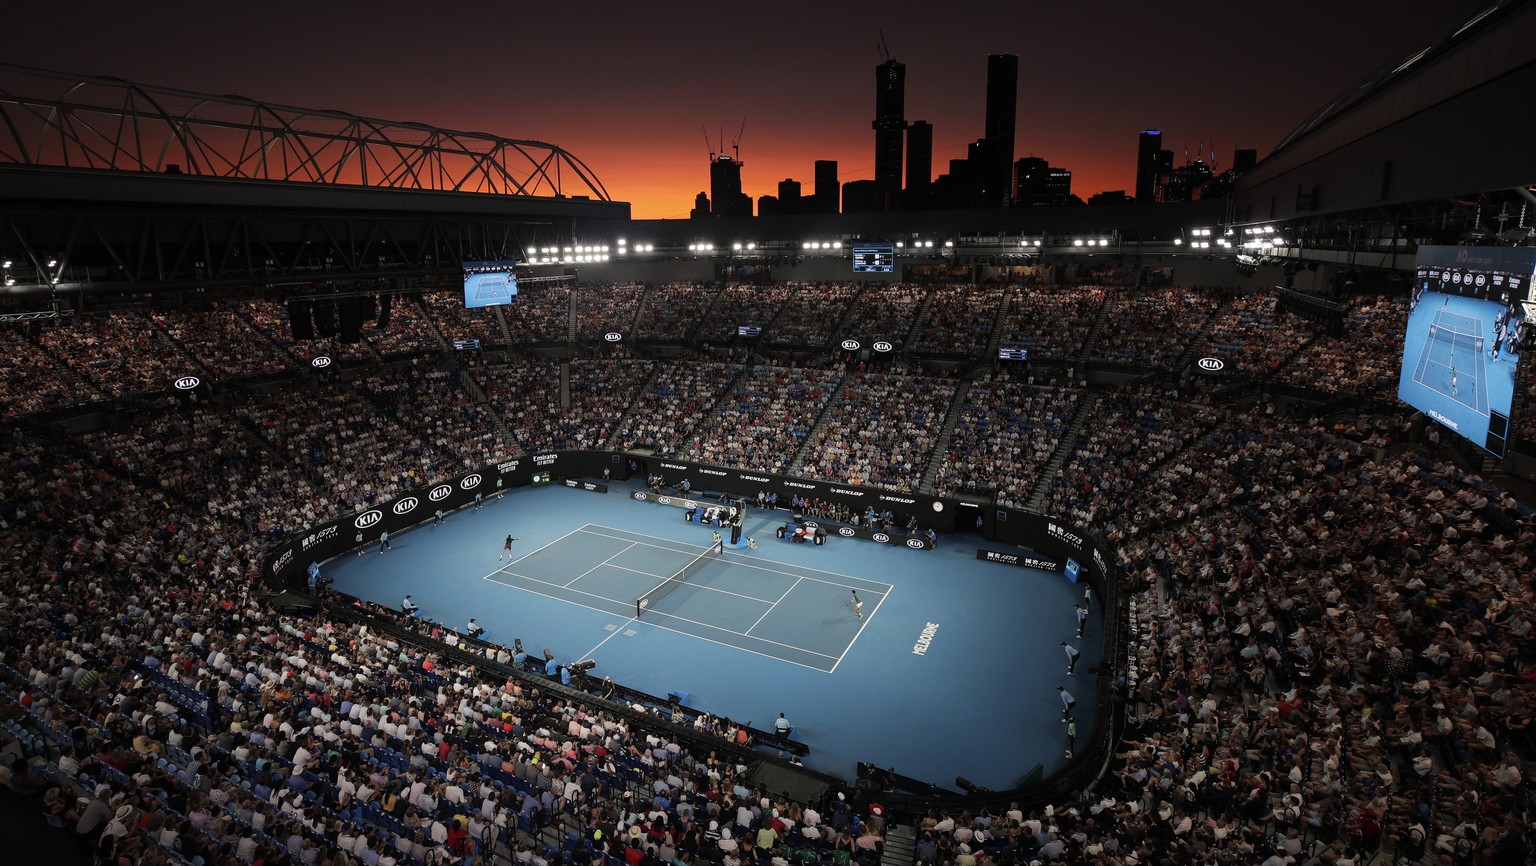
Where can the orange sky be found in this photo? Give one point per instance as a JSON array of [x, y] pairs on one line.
[[630, 88]]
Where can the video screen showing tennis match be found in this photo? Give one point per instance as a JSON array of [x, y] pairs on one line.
[[489, 284], [1465, 323]]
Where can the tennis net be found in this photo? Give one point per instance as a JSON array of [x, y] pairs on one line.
[[644, 602], [1457, 339]]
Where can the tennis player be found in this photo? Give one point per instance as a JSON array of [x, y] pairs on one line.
[[858, 604], [506, 548]]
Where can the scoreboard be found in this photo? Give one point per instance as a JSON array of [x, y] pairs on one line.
[[873, 258]]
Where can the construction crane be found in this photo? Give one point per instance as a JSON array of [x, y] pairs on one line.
[[736, 145]]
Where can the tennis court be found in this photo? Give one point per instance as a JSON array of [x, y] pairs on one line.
[[1451, 360], [795, 614]]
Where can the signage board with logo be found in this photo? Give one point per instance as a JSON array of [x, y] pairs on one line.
[[1211, 366]]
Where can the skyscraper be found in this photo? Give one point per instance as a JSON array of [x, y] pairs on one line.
[[725, 188], [919, 155], [1152, 162], [789, 194], [828, 193], [996, 173], [890, 124], [1040, 183]]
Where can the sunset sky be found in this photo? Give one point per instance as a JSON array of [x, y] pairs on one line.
[[632, 88]]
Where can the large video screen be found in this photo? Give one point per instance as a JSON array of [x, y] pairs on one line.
[[873, 258], [487, 284], [1465, 322]]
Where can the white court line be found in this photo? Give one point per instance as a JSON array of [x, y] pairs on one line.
[[644, 540], [667, 578], [739, 560], [532, 579], [746, 561], [606, 639], [532, 552], [689, 634], [858, 633], [728, 631], [567, 584], [673, 630], [773, 605]]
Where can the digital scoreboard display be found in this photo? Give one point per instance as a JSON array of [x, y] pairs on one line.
[[1006, 354], [874, 258], [489, 284], [1466, 320], [466, 344], [749, 330]]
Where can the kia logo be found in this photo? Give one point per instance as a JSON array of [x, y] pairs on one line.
[[187, 383], [470, 482], [440, 492], [664, 500], [812, 525], [368, 518], [851, 345], [1211, 364], [845, 532], [688, 503], [1456, 277], [915, 544], [320, 362], [638, 495], [882, 538], [882, 346], [613, 336], [1481, 279], [405, 505]]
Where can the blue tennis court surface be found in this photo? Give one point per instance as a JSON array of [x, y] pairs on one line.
[[959, 652], [795, 614], [1451, 361]]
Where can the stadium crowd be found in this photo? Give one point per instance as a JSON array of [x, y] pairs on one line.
[[1146, 327], [1249, 334], [958, 319], [1006, 434], [1051, 321], [765, 419], [880, 431], [1332, 664], [1365, 360], [885, 312], [812, 312], [743, 304], [674, 404], [31, 381], [604, 308], [1131, 432]]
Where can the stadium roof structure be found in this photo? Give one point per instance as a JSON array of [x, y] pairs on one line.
[[107, 186], [64, 120], [1413, 152]]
